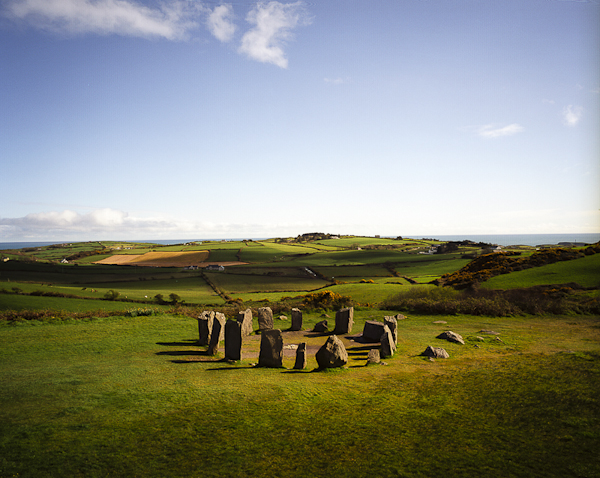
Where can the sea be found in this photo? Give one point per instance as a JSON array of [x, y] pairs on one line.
[[498, 239]]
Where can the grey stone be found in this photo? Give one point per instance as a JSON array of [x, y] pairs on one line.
[[296, 319], [265, 318], [245, 319], [388, 346], [372, 331], [344, 320], [332, 354], [300, 363], [451, 337], [282, 317], [392, 323], [374, 356], [205, 321], [233, 340], [435, 352], [400, 317], [488, 332], [321, 326], [271, 349], [217, 333]]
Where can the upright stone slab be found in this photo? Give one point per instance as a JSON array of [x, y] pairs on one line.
[[296, 319], [205, 321], [217, 333], [372, 331], [332, 354], [300, 363], [392, 322], [344, 320], [245, 319], [388, 346], [265, 318], [271, 349], [233, 340]]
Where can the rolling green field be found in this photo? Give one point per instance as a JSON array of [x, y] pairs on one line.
[[131, 395], [584, 271]]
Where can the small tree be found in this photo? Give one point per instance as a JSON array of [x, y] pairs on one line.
[[175, 299], [112, 295]]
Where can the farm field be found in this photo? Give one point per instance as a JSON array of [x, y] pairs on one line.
[[135, 396]]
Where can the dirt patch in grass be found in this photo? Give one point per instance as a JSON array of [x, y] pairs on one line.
[[164, 259]]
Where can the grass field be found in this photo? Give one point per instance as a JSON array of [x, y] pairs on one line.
[[136, 397], [584, 271]]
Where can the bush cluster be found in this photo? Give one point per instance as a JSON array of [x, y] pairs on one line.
[[326, 299]]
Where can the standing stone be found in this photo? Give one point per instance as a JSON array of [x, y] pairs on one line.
[[392, 323], [296, 319], [373, 357], [265, 318], [451, 337], [332, 354], [344, 320], [205, 321], [233, 340], [300, 363], [271, 349], [217, 333], [388, 346], [372, 331], [245, 319]]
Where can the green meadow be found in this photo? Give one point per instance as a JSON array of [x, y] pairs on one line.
[[91, 388]]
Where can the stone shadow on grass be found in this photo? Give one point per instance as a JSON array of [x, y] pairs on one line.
[[184, 343]]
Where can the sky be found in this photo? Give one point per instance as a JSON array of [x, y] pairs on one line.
[[139, 119]]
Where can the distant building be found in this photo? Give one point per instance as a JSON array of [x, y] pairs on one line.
[[214, 267]]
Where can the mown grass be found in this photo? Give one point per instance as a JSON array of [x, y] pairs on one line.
[[136, 397]]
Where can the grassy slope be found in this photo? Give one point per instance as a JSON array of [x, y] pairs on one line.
[[584, 271], [132, 397]]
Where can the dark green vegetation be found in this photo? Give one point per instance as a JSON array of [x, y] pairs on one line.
[[99, 379]]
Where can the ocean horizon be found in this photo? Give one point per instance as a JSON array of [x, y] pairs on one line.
[[497, 239]]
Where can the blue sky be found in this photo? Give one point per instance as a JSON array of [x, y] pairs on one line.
[[125, 119]]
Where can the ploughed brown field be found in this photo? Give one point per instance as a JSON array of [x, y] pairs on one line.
[[163, 259]]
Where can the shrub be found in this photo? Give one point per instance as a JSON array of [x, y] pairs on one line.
[[326, 299], [112, 295]]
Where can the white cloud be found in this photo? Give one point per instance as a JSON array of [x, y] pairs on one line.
[[172, 20], [70, 224], [220, 23], [572, 115], [336, 81], [491, 131], [273, 23]]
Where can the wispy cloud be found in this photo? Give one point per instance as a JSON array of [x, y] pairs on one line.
[[492, 131], [572, 115], [220, 23], [69, 224], [112, 224], [336, 81], [172, 20], [273, 24]]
